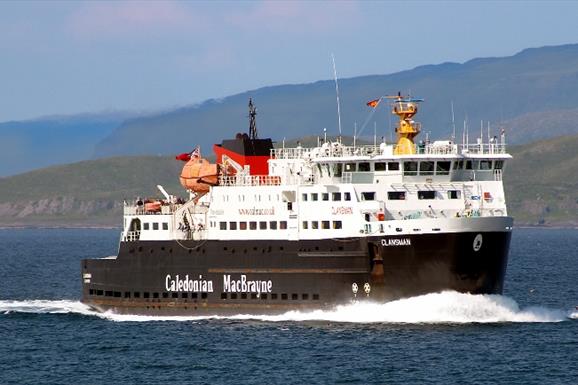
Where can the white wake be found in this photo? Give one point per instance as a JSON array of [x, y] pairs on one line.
[[437, 308], [41, 306]]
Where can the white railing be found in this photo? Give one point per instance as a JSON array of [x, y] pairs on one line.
[[133, 209], [483, 149], [336, 150], [498, 175], [250, 180], [328, 150]]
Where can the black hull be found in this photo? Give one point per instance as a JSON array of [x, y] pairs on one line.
[[289, 275]]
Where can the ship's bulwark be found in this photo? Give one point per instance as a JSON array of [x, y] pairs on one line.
[[262, 277]]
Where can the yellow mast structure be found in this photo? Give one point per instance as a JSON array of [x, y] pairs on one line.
[[407, 130]]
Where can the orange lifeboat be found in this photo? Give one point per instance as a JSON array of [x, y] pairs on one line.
[[152, 206], [198, 175]]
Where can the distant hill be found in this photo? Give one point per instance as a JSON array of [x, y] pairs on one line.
[[542, 182], [534, 94], [84, 193], [32, 144], [541, 187]]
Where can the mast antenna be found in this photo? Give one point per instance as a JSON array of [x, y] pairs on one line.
[[453, 123], [337, 94], [252, 120]]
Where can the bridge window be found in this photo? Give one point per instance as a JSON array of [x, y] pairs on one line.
[[350, 167], [443, 168], [393, 166], [426, 168], [472, 165], [427, 194], [336, 196], [337, 169], [499, 164], [485, 165], [410, 168], [396, 195], [363, 167], [379, 166]]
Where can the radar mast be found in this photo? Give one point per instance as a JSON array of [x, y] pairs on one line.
[[252, 120]]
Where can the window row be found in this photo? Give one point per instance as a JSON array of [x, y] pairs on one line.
[[426, 168], [253, 225], [325, 225], [187, 295], [256, 197], [146, 294], [155, 225], [273, 296], [371, 166], [335, 196], [478, 165], [421, 195]]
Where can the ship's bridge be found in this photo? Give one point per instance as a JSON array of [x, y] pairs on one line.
[[440, 161]]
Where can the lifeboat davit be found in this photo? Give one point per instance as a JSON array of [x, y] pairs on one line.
[[199, 175]]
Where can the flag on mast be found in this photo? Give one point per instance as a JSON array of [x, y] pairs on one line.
[[373, 103], [185, 157]]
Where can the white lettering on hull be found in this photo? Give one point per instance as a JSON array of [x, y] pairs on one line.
[[396, 242], [257, 211], [242, 285], [198, 285], [341, 210]]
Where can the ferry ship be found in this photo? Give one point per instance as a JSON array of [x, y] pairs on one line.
[[267, 230]]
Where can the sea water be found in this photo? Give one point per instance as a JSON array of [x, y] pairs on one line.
[[527, 336]]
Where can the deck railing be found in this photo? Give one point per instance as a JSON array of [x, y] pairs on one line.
[[336, 150]]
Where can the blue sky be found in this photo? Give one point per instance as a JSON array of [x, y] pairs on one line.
[[65, 57]]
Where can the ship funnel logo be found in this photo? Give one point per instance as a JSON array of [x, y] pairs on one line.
[[478, 242]]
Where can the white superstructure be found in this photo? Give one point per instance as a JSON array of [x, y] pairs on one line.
[[338, 191]]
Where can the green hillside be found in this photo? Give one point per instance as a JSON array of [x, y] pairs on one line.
[[542, 182], [84, 193], [541, 186]]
